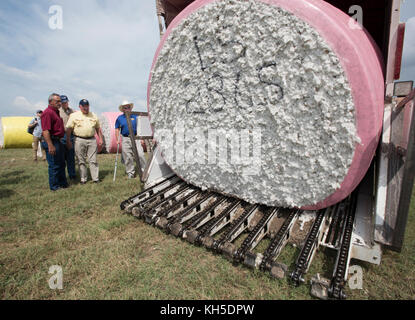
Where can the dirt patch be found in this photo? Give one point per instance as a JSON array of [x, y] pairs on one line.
[[301, 228], [278, 221], [255, 219]]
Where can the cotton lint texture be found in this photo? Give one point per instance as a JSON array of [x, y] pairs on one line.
[[246, 68], [106, 132]]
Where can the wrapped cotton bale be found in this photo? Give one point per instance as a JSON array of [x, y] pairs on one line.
[[1, 135], [13, 132], [278, 102], [107, 121]]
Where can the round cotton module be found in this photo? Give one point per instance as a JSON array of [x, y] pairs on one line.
[[13, 132], [277, 102], [107, 122]]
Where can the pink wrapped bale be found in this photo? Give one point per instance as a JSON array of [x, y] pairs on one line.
[[107, 121], [278, 102]]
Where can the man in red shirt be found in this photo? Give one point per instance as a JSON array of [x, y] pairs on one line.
[[53, 130]]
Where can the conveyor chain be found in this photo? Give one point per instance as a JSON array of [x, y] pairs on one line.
[[306, 253], [336, 289], [168, 202], [246, 245], [234, 226], [277, 242], [144, 194], [194, 221], [182, 214], [208, 227], [176, 205]]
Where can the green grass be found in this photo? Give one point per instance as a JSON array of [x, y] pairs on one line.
[[105, 254]]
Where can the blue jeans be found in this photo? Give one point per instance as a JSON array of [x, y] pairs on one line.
[[56, 168], [70, 157]]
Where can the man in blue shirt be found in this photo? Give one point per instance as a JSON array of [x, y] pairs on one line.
[[37, 135], [121, 127]]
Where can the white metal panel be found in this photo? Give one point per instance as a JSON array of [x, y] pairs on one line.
[[381, 192], [158, 169], [144, 127], [363, 246]]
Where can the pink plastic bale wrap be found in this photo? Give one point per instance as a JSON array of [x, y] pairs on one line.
[[361, 62], [107, 121]]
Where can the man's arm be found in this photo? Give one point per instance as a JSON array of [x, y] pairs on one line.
[[48, 139], [117, 134], [99, 132], [69, 128], [33, 123], [68, 138], [101, 138], [117, 129]]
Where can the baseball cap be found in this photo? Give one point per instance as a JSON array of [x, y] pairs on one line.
[[64, 99], [84, 102]]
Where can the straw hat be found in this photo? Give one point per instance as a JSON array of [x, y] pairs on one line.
[[125, 103]]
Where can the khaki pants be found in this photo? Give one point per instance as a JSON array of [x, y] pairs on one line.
[[35, 146], [86, 151], [128, 155]]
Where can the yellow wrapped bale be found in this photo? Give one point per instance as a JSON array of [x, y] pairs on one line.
[[13, 132]]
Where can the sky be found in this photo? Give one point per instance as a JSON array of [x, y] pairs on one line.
[[101, 50], [103, 53], [408, 60]]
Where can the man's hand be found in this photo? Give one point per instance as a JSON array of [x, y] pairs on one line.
[[69, 144], [143, 145], [34, 124], [51, 149]]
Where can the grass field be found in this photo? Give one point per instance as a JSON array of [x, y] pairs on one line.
[[105, 254]]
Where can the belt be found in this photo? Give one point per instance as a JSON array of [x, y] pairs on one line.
[[84, 137], [55, 137]]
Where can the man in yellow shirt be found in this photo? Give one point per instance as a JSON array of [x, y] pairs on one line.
[[84, 124]]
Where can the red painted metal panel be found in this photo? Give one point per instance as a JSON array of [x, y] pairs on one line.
[[399, 51]]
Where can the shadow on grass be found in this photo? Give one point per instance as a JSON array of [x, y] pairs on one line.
[[104, 173], [6, 193], [11, 174], [77, 180], [329, 259], [14, 181]]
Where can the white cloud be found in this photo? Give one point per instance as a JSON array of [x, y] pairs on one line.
[[141, 104], [22, 107], [103, 53], [15, 72]]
